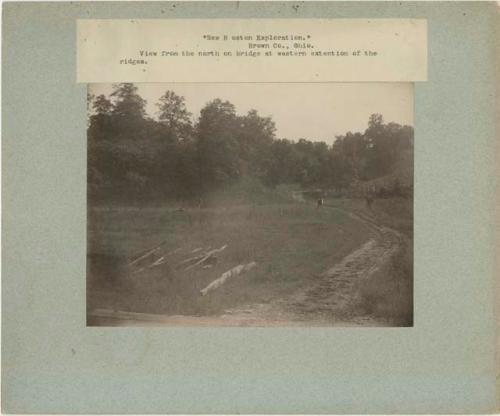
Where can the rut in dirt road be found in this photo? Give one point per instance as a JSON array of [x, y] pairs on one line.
[[332, 297]]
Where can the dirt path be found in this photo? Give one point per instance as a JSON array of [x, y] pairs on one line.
[[329, 301]]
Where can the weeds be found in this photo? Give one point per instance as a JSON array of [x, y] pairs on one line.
[[388, 293]]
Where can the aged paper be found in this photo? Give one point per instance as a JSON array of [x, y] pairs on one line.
[[252, 50]]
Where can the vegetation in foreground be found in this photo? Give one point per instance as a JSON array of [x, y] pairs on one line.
[[290, 242], [388, 293]]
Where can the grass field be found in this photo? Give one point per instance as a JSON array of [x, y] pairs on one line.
[[396, 213], [291, 243]]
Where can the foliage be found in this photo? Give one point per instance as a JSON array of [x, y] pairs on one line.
[[172, 113], [133, 158]]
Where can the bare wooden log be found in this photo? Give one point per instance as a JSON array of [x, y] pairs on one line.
[[235, 271], [158, 262], [190, 260], [211, 261], [161, 260], [194, 258], [147, 254], [206, 256]]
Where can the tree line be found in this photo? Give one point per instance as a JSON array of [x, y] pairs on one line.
[[133, 157]]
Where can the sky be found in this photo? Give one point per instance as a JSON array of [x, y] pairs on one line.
[[315, 111]]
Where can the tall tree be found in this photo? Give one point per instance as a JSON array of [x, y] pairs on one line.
[[128, 103], [173, 114], [254, 135], [101, 105], [218, 156]]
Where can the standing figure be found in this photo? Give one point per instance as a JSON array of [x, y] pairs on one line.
[[319, 203]]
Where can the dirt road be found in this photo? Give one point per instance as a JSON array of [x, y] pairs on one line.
[[328, 302]]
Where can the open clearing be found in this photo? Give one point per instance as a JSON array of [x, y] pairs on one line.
[[310, 264]]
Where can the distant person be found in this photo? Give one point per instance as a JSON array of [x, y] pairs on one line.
[[319, 203]]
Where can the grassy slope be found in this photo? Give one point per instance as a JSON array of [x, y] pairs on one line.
[[291, 243], [396, 213]]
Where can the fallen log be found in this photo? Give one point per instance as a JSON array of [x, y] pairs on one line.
[[194, 258], [161, 260], [206, 256], [190, 260], [147, 254], [211, 261], [235, 271]]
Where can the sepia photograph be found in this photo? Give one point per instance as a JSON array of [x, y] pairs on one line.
[[250, 204]]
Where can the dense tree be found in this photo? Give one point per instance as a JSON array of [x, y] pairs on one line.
[[128, 103], [134, 158], [172, 113], [218, 157], [102, 106]]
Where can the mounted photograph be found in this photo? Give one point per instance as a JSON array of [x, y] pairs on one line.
[[250, 204]]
